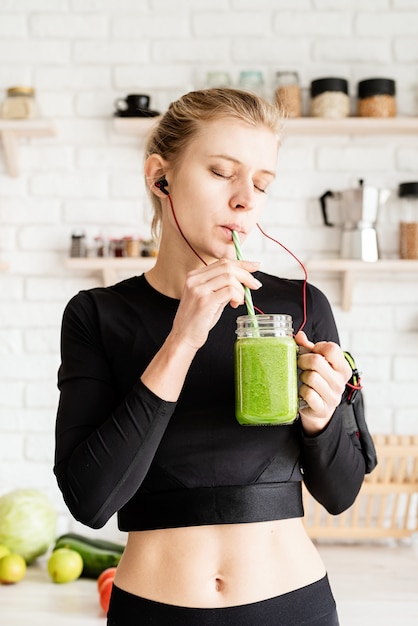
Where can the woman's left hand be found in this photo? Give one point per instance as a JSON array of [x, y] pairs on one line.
[[324, 374]]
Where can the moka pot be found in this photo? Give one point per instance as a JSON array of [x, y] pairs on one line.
[[359, 209]]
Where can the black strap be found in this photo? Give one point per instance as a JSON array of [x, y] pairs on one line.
[[354, 415]]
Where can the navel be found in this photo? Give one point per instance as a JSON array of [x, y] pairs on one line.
[[219, 584]]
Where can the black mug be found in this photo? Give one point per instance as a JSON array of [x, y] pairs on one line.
[[132, 103]]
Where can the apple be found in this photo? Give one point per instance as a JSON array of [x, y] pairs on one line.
[[65, 565], [12, 568]]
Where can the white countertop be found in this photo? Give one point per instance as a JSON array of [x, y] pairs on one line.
[[37, 600], [372, 584]]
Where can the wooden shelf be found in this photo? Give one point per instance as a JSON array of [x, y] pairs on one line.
[[109, 267], [350, 268], [11, 131], [139, 126], [351, 126]]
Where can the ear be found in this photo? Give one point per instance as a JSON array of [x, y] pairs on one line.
[[154, 168]]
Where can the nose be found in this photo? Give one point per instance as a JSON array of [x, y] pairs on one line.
[[243, 197]]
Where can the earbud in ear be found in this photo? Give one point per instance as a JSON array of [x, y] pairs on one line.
[[162, 183]]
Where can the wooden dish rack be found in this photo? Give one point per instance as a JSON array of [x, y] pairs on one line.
[[387, 504]]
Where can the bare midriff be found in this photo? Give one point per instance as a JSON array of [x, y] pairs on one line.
[[221, 565]]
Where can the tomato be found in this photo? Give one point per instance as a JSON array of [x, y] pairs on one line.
[[105, 592], [107, 573]]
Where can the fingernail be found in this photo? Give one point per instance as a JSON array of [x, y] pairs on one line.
[[257, 284]]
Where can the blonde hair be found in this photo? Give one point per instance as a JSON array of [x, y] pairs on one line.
[[184, 118]]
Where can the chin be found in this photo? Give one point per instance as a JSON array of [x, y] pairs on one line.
[[226, 252]]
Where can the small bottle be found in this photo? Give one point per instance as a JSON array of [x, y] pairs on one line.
[[251, 80], [329, 98], [376, 97], [266, 382], [19, 103], [287, 93], [408, 227]]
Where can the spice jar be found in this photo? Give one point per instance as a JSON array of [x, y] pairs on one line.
[[19, 103], [287, 93], [100, 246], [117, 247], [408, 227], [329, 98], [132, 246], [149, 248], [266, 382], [376, 97]]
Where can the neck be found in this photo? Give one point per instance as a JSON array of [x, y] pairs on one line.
[[172, 265]]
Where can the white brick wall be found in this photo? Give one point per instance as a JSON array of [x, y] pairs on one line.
[[83, 54]]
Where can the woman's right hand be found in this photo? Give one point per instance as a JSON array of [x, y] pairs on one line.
[[207, 291]]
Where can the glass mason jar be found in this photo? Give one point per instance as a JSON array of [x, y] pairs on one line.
[[218, 79], [408, 226], [287, 93], [251, 80], [266, 380]]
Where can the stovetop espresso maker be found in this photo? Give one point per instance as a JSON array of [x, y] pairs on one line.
[[359, 210]]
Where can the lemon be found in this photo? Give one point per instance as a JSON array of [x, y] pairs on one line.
[[12, 568], [65, 565]]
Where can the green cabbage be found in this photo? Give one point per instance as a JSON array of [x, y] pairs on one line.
[[27, 523]]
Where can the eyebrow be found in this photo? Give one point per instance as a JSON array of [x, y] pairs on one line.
[[229, 158]]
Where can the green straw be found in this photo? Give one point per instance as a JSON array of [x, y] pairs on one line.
[[247, 292]]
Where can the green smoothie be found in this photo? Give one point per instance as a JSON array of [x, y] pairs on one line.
[[266, 386]]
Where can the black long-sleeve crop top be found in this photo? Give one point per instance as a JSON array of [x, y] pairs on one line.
[[159, 464]]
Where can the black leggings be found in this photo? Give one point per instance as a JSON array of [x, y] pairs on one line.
[[313, 605]]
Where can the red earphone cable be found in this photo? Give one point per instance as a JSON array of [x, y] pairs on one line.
[[302, 266], [268, 237], [181, 232]]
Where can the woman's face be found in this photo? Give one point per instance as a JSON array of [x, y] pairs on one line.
[[220, 185]]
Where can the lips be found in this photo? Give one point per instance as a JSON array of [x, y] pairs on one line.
[[230, 227]]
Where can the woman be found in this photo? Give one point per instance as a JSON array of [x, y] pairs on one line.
[[146, 424]]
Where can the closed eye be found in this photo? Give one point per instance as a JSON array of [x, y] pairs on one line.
[[221, 174], [229, 177]]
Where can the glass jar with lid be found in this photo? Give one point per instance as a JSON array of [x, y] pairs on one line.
[[376, 97], [408, 227], [287, 93], [19, 103], [329, 98], [218, 78], [251, 80]]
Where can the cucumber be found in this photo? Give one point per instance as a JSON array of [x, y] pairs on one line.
[[102, 544], [97, 554]]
